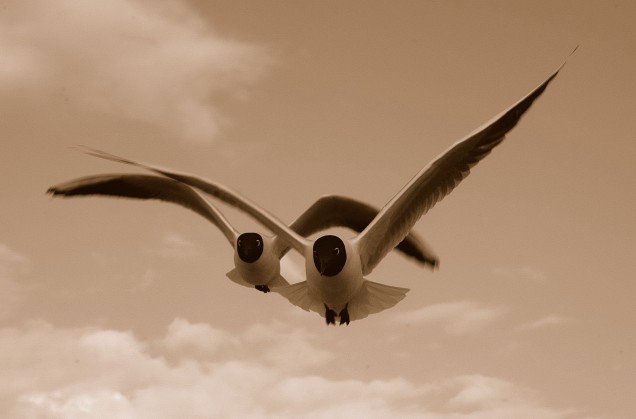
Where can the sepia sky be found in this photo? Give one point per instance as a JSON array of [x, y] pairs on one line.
[[118, 308]]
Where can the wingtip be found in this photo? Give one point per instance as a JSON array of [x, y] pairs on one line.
[[564, 62], [82, 148], [55, 191], [93, 151], [574, 50], [547, 81]]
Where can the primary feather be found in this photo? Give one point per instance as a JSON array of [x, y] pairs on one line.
[[436, 180]]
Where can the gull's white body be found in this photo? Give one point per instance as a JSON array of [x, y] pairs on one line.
[[267, 267], [389, 227], [335, 291]]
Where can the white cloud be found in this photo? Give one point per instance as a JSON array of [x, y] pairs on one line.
[[172, 245], [158, 63], [202, 339], [11, 290], [145, 281], [491, 397], [97, 373], [12, 266], [286, 349], [551, 320], [8, 255], [483, 391], [457, 318]]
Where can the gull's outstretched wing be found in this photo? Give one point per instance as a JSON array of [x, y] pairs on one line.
[[223, 193], [437, 180], [340, 211], [146, 187]]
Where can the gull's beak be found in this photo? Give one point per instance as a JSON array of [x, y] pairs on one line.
[[322, 266]]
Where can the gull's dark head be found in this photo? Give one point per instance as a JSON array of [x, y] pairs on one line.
[[330, 255], [249, 247]]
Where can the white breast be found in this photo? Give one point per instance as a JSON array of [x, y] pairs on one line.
[[335, 291], [261, 272]]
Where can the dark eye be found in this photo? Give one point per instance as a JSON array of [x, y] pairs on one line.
[[258, 243], [336, 251], [239, 242]]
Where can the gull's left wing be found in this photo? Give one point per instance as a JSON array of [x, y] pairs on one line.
[[223, 193], [436, 180], [146, 187]]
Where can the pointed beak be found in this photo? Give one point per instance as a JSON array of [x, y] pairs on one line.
[[322, 266]]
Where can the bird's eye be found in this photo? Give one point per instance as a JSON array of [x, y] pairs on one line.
[[258, 243], [336, 251], [239, 242]]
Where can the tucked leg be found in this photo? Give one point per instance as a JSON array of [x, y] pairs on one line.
[[344, 315], [330, 315], [262, 288]]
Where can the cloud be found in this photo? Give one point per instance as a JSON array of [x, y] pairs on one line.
[[145, 281], [172, 245], [200, 339], [12, 266], [157, 63], [457, 318], [197, 370], [290, 350], [551, 320], [525, 273], [9, 295], [11, 261], [491, 397]]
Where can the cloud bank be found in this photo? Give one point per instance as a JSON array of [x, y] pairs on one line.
[[456, 318], [196, 370], [549, 321], [12, 266], [157, 63]]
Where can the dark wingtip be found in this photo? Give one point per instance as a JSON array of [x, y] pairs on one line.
[[433, 264], [574, 50], [562, 65]]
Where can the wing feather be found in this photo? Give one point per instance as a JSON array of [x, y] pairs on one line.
[[437, 180], [146, 187], [221, 192], [340, 211]]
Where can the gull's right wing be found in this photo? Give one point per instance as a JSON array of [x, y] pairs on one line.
[[340, 211]]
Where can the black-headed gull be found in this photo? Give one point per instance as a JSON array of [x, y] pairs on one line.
[[335, 267], [256, 257]]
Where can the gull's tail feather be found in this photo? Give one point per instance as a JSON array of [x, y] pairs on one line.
[[298, 294], [277, 282], [374, 297], [236, 277]]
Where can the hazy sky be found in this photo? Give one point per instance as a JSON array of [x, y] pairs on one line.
[[116, 308]]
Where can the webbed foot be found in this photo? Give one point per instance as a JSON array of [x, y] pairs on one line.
[[330, 315], [344, 315], [262, 288]]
